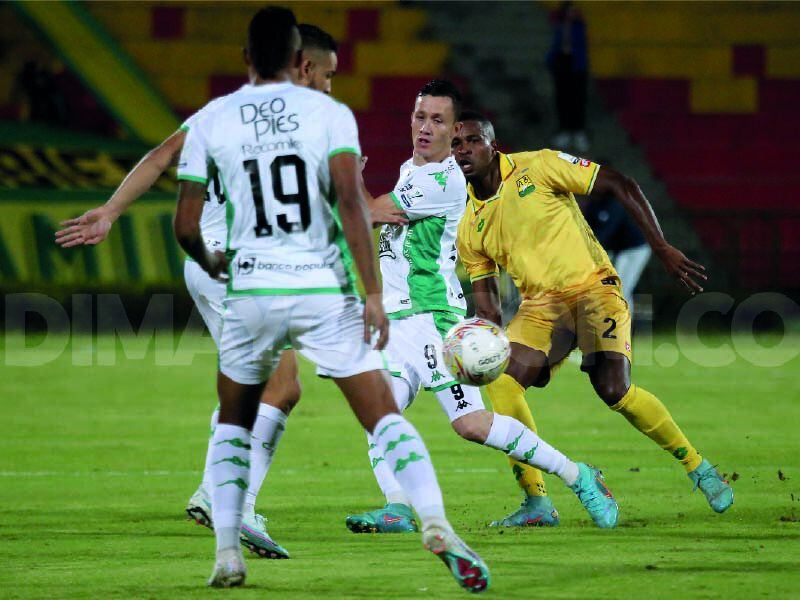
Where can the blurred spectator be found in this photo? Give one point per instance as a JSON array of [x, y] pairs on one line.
[[621, 238], [568, 61], [40, 93]]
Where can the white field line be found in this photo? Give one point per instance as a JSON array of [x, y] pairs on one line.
[[101, 473]]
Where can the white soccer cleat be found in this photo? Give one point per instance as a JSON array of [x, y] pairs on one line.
[[199, 508], [229, 570]]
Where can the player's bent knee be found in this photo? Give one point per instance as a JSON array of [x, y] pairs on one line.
[[610, 392], [292, 395], [473, 427]]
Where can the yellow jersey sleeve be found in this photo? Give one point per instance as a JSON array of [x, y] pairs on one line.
[[566, 173], [476, 263]]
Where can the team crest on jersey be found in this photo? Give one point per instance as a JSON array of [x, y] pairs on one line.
[[481, 223], [525, 186]]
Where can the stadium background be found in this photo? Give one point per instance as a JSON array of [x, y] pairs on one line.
[[698, 101]]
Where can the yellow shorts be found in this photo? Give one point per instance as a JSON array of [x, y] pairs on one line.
[[596, 317]]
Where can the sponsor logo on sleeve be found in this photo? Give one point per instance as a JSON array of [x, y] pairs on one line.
[[411, 197], [585, 162], [573, 160]]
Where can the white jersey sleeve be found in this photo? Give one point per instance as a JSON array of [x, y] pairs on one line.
[[193, 163], [343, 136], [212, 223], [430, 190]]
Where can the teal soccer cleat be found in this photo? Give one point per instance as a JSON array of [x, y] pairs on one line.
[[595, 496], [392, 518], [717, 491], [255, 538], [535, 511], [467, 568]]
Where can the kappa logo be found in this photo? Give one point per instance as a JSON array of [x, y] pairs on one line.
[[441, 178], [525, 186]]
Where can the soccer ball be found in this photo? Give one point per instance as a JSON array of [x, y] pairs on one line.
[[476, 351]]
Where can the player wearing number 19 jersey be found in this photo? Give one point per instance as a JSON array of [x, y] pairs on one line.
[[315, 70], [286, 157]]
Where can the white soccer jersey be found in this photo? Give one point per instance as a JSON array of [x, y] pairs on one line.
[[271, 145], [212, 222], [418, 260]]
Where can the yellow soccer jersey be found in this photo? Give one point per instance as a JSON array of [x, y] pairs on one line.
[[532, 227]]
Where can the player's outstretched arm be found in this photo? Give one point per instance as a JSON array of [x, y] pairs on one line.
[[344, 168], [486, 296], [630, 195], [191, 197], [92, 227]]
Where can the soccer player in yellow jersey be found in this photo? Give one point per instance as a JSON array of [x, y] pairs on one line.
[[522, 216]]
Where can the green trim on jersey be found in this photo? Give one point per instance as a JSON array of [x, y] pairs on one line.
[[444, 386], [594, 176], [283, 291], [341, 242], [229, 214], [194, 178], [345, 150], [422, 248], [444, 321], [386, 365], [409, 312]]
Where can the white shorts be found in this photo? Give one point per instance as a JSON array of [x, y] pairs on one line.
[[208, 295], [414, 354], [327, 329]]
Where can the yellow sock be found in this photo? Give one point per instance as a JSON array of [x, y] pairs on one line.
[[507, 397], [651, 417]]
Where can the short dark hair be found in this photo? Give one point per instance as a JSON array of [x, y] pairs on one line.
[[269, 40], [474, 115], [319, 39], [443, 88]]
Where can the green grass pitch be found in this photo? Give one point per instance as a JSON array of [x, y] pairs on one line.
[[97, 462]]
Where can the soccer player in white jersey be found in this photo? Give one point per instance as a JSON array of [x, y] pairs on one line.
[[289, 162], [424, 299], [315, 71]]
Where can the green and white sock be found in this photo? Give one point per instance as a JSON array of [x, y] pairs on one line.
[[267, 431], [207, 470], [388, 483], [520, 443], [230, 472], [407, 457]]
